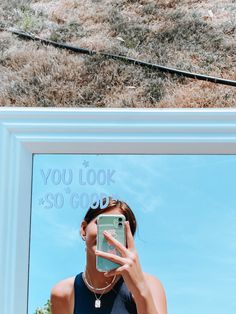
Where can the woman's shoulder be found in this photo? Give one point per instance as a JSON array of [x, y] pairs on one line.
[[62, 296], [153, 280], [63, 288], [158, 292]]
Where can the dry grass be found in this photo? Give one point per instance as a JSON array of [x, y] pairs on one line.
[[198, 36]]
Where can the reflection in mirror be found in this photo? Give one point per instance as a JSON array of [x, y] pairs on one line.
[[185, 211]]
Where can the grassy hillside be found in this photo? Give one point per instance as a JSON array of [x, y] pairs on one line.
[[198, 36]]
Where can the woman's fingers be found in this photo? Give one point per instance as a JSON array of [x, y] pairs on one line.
[[126, 253], [117, 271], [119, 246], [112, 257], [129, 238]]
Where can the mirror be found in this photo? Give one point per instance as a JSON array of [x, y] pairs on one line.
[[184, 206]]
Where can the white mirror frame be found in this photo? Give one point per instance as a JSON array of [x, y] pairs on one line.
[[26, 131]]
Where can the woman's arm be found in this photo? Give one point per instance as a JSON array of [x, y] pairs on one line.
[[151, 298], [62, 297], [59, 304], [147, 294]]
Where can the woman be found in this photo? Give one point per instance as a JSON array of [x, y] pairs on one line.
[[124, 290]]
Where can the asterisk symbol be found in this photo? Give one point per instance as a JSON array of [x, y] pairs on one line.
[[85, 163], [41, 201], [68, 190]]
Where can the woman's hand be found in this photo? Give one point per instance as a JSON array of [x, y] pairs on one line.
[[130, 267], [148, 296]]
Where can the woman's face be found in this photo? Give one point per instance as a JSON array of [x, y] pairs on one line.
[[89, 231]]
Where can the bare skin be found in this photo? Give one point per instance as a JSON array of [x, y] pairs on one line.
[[147, 291]]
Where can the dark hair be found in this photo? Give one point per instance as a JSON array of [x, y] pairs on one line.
[[112, 203]]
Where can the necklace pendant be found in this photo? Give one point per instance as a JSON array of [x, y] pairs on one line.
[[97, 303]]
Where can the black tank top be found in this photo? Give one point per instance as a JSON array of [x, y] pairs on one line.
[[117, 301]]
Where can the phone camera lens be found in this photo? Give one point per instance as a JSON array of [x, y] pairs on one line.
[[120, 219], [120, 224]]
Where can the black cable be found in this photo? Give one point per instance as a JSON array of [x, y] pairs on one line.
[[124, 58]]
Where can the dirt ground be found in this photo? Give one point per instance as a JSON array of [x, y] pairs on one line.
[[197, 36]]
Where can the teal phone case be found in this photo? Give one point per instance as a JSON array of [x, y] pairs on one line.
[[111, 224]]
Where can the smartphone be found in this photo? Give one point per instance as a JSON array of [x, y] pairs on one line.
[[115, 225]]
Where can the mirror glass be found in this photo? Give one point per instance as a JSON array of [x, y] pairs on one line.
[[186, 215]]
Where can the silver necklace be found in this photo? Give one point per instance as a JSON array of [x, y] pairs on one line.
[[97, 303]]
